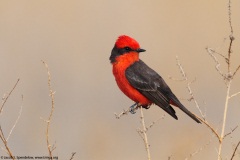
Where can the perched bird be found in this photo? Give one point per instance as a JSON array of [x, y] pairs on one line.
[[138, 81]]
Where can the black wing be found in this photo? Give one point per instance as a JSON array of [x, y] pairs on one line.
[[151, 85]]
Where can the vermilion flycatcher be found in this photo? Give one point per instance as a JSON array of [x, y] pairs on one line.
[[138, 81]]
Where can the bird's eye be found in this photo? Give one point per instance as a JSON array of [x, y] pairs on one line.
[[127, 48]]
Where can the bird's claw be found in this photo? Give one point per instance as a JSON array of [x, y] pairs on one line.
[[132, 108]]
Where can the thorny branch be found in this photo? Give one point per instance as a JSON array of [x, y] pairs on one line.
[[48, 121], [143, 133]]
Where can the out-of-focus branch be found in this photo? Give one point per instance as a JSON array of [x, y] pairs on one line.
[[235, 149], [48, 121], [5, 142], [199, 150], [14, 125], [210, 127], [2, 136], [73, 154], [229, 133], [6, 98], [235, 72]]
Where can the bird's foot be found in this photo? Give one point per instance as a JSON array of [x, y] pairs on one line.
[[133, 108], [146, 106]]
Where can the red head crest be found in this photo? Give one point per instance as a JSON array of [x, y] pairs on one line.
[[126, 41]]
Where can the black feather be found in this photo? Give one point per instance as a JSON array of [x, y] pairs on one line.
[[152, 86]]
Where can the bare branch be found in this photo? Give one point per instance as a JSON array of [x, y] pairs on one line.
[[229, 16], [49, 146], [6, 98], [73, 154], [184, 75], [217, 66], [154, 122], [232, 130], [14, 125], [235, 149], [230, 50], [235, 72], [233, 95], [224, 119], [210, 127], [199, 150], [8, 151], [143, 133], [194, 100], [125, 112]]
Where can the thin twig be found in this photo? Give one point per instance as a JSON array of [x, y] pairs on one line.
[[233, 95], [231, 34], [73, 154], [235, 72], [230, 51], [199, 150], [194, 100], [154, 122], [49, 146], [14, 125], [5, 142], [210, 127], [235, 149], [229, 133], [125, 112], [184, 75], [217, 66], [224, 119], [203, 120], [229, 16], [6, 98]]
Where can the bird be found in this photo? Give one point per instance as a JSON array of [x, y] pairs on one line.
[[139, 82]]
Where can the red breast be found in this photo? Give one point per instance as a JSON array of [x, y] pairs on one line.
[[121, 60]]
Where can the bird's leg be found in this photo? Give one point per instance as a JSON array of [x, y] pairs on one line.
[[132, 108]]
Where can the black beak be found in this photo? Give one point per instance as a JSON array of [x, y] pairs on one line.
[[141, 50]]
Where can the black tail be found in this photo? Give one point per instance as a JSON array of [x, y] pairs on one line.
[[185, 110], [178, 104]]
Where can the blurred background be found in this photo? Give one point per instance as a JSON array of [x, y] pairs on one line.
[[75, 39]]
